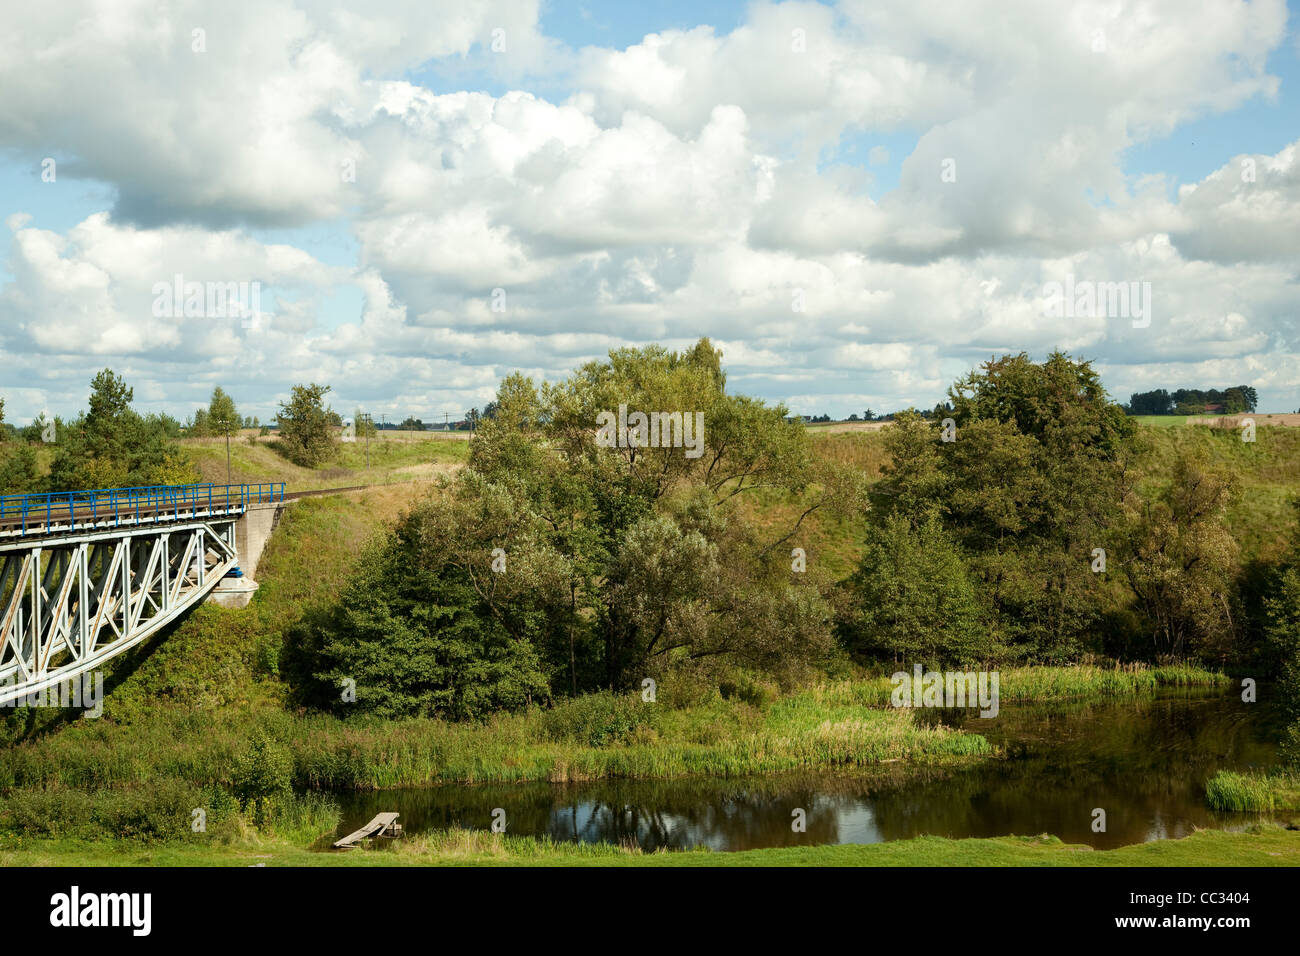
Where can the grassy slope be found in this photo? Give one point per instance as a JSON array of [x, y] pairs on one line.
[[1268, 469], [394, 456], [1264, 846]]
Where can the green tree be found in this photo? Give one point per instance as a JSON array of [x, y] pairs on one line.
[[112, 445], [18, 471], [1181, 561], [307, 426], [421, 631], [914, 600], [608, 563], [223, 419], [199, 426], [363, 424], [1032, 480]]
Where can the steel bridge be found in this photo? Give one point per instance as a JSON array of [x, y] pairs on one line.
[[86, 575]]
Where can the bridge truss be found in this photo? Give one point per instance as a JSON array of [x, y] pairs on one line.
[[78, 590]]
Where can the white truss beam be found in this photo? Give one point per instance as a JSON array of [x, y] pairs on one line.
[[69, 604]]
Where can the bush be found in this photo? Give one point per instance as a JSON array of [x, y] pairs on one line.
[[913, 599], [262, 776], [598, 720], [415, 641], [1288, 751], [162, 812], [749, 689]]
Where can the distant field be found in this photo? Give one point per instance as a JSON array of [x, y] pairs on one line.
[[829, 427], [1287, 419], [1161, 421]]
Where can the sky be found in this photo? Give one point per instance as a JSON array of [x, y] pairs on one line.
[[857, 202]]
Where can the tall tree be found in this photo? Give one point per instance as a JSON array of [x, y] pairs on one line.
[[1030, 482], [112, 445], [307, 426], [608, 561], [223, 419]]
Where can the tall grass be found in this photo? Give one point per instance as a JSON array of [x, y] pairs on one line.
[[1253, 792], [844, 723]]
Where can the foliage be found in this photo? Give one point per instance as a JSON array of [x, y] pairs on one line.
[[1007, 514], [613, 564], [222, 418], [417, 639], [112, 445], [307, 426], [1193, 401], [262, 775], [913, 598], [363, 425], [19, 474], [1180, 561], [598, 720]]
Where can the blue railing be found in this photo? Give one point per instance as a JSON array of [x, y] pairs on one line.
[[117, 505]]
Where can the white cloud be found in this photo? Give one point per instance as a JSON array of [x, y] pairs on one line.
[[686, 185]]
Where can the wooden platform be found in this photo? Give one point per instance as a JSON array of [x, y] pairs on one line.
[[384, 824]]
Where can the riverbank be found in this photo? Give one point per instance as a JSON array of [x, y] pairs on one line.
[[99, 779], [1260, 846], [1253, 792], [836, 724]]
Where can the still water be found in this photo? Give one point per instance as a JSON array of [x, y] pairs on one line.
[[1144, 762]]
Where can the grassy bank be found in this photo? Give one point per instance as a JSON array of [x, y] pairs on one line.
[[1259, 846], [840, 724], [98, 777], [1253, 792], [393, 457]]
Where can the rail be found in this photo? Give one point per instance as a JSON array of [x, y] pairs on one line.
[[21, 515]]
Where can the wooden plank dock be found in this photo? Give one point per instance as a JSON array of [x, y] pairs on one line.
[[384, 824]]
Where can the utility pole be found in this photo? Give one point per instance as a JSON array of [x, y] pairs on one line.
[[370, 424]]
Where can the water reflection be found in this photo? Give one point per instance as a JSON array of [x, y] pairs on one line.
[[1145, 763]]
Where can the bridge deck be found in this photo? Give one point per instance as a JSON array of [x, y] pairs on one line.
[[27, 516]]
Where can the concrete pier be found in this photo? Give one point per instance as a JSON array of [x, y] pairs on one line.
[[252, 531]]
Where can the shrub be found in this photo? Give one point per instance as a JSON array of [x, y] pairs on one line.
[[598, 720], [262, 776]]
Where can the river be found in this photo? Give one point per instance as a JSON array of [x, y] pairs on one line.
[[1144, 762]]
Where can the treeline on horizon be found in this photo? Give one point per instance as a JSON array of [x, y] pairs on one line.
[[1193, 401], [111, 445]]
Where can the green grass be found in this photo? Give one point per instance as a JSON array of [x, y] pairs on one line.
[[1253, 792], [1268, 470], [394, 457], [1258, 846], [1162, 421]]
